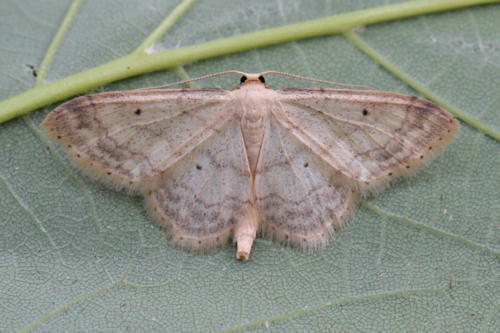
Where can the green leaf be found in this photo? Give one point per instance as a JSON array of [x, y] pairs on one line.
[[424, 255]]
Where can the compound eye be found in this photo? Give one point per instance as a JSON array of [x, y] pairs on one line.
[[261, 79], [243, 79]]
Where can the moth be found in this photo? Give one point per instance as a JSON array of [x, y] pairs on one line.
[[215, 164]]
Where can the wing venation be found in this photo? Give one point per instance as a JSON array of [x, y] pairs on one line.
[[368, 136], [130, 137]]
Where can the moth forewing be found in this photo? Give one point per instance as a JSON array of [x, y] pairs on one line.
[[216, 164], [128, 138], [369, 137]]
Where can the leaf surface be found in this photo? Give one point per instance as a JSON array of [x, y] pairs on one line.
[[422, 255]]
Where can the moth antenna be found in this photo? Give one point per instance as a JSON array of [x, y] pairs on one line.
[[208, 76], [316, 80]]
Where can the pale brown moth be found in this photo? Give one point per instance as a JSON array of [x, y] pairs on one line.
[[214, 164]]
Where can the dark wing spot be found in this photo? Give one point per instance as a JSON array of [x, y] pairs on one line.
[[198, 167], [365, 112], [306, 164], [138, 111]]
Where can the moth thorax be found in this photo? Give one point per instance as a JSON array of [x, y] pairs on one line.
[[252, 127]]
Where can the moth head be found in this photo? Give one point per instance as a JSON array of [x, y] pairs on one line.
[[247, 78]]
